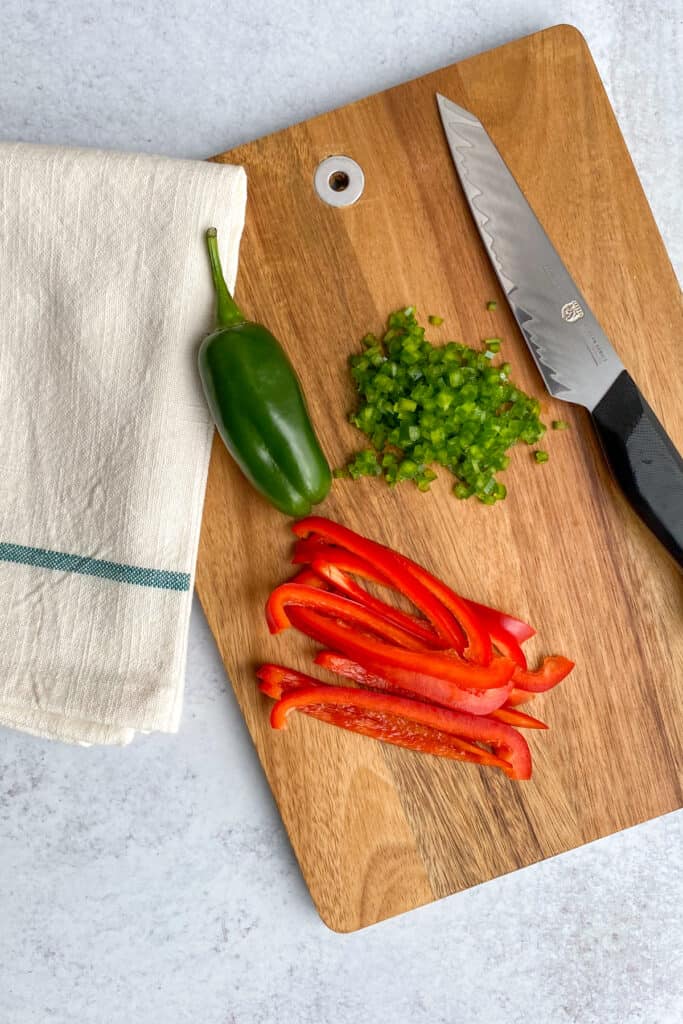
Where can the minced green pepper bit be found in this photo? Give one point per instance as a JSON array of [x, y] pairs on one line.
[[422, 405], [492, 306], [560, 425], [364, 464], [436, 321], [541, 456], [492, 344]]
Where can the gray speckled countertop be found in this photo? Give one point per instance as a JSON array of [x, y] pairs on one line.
[[156, 884]]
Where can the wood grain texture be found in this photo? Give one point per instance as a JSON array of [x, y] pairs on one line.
[[378, 830]]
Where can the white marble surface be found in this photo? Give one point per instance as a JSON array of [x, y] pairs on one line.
[[156, 883]]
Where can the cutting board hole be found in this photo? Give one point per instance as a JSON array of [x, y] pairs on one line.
[[339, 181]]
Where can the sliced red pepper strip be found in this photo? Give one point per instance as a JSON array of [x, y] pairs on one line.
[[322, 556], [479, 623], [393, 718], [309, 579], [478, 640], [289, 595], [347, 667], [352, 670], [438, 665], [403, 732], [516, 628], [503, 640], [428, 674], [342, 666], [519, 719], [276, 681], [339, 579], [397, 571], [508, 647], [518, 697], [506, 631], [308, 549], [504, 644], [552, 671]]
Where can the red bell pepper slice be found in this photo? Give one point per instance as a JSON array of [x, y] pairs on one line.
[[398, 571], [478, 640], [552, 671], [308, 578], [290, 595], [274, 680], [519, 719], [277, 682], [508, 647], [518, 697], [506, 631], [501, 626], [323, 557], [439, 665], [502, 638], [342, 666], [340, 581], [431, 675], [515, 628], [394, 719], [352, 670], [307, 549], [403, 732]]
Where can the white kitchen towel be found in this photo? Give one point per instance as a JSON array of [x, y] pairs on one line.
[[105, 295]]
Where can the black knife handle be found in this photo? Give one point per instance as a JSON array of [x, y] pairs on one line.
[[644, 461]]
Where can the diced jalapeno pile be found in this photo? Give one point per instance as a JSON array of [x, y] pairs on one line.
[[448, 405]]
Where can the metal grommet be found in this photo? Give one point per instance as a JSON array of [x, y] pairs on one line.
[[339, 181]]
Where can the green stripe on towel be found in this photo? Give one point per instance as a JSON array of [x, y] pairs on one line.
[[41, 557]]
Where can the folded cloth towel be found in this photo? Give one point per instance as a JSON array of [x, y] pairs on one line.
[[105, 294]]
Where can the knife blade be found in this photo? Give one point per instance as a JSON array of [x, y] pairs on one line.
[[572, 352]]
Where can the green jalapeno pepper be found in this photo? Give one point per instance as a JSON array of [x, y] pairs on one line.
[[258, 406]]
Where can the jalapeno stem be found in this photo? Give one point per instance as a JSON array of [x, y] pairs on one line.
[[227, 311]]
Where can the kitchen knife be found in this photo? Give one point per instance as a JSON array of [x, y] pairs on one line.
[[570, 349]]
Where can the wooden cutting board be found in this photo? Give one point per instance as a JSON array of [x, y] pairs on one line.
[[378, 830]]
